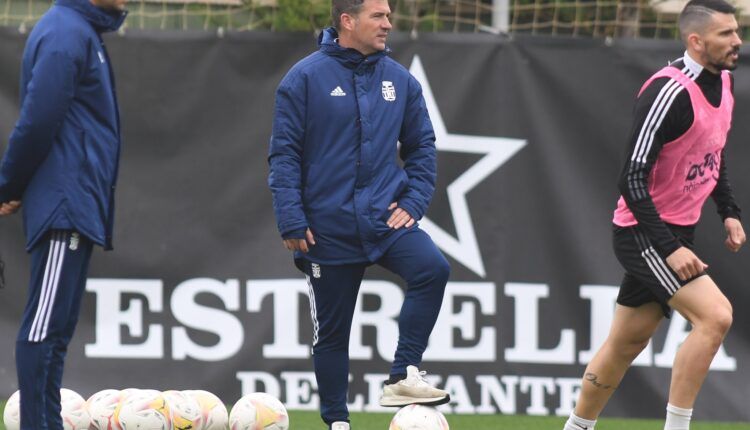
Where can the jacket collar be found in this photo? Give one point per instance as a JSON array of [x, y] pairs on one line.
[[329, 44], [102, 20], [691, 64]]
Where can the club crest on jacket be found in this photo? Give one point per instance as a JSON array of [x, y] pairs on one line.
[[389, 91]]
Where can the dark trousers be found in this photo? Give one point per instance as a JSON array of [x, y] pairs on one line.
[[416, 259], [58, 278]]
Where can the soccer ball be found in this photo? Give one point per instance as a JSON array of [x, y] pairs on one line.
[[418, 417], [128, 391], [102, 406], [12, 412], [74, 413], [124, 394], [258, 411], [213, 411], [185, 411], [144, 410]]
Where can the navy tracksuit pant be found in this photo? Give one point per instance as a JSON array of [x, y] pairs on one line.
[[333, 295], [59, 264]]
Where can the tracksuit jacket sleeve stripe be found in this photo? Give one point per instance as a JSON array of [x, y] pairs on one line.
[[657, 115], [45, 102]]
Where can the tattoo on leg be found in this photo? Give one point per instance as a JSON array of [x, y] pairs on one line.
[[591, 377]]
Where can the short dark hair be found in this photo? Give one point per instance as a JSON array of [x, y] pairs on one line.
[[697, 14], [350, 7]]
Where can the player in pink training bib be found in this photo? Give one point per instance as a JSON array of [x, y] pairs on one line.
[[676, 160]]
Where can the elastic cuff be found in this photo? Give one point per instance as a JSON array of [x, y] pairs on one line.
[[671, 247], [734, 215], [295, 234], [411, 210], [679, 411], [392, 379], [582, 422]]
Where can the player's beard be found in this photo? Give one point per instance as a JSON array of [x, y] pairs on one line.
[[724, 61]]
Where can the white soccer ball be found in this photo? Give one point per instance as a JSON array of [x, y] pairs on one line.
[[102, 406], [128, 391], [258, 411], [74, 413], [184, 411], [213, 410], [418, 417], [124, 394], [144, 410], [12, 412]]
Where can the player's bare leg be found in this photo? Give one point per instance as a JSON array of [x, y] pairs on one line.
[[630, 333], [708, 310]]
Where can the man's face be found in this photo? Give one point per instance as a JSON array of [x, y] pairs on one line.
[[370, 26], [112, 5], [721, 43]]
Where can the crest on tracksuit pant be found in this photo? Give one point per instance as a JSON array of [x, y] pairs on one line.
[[389, 91]]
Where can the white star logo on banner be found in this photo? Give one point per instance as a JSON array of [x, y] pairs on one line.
[[498, 150]]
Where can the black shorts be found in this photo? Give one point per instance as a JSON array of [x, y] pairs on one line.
[[648, 277]]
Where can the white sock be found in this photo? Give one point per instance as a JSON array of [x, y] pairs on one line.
[[677, 418], [578, 423]]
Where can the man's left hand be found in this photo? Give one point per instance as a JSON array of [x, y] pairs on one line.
[[735, 234], [399, 217], [10, 208]]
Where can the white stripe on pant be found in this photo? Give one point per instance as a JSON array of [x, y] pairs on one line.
[[313, 311], [657, 265], [47, 295]]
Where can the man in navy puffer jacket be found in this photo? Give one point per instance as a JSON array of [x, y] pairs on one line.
[[61, 162], [343, 202]]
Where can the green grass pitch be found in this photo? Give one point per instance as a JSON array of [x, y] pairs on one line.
[[379, 421]]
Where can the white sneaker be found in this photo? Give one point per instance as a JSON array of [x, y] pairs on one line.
[[413, 389], [340, 425]]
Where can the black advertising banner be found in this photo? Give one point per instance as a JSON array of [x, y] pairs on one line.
[[531, 132]]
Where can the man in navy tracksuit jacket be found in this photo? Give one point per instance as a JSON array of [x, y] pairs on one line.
[[61, 162], [342, 201]]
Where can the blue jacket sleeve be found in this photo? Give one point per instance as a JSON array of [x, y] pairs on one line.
[[418, 153], [285, 155], [47, 97]]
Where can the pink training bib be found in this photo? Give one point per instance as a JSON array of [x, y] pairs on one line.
[[687, 168]]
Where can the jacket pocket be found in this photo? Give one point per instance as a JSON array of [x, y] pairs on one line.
[[393, 187]]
